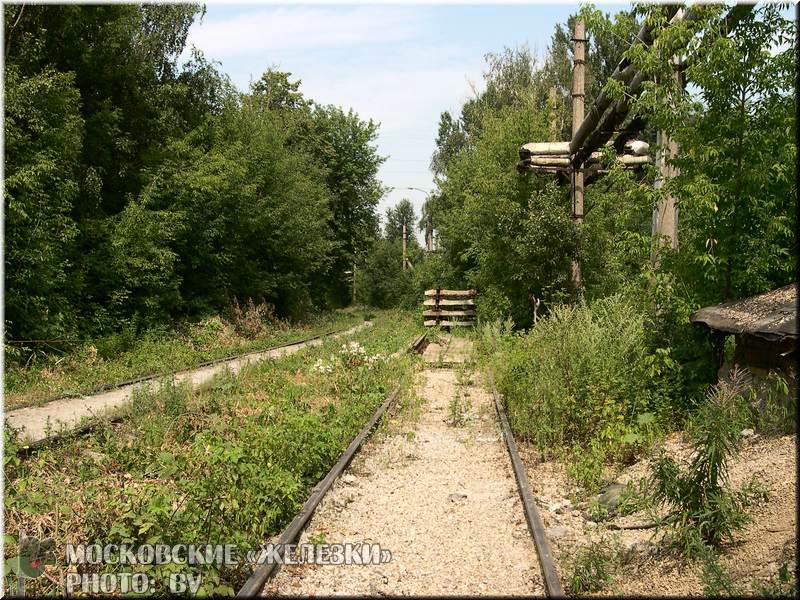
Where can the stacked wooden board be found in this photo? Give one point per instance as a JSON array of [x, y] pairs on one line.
[[449, 308]]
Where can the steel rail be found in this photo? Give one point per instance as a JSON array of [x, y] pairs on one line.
[[535, 524], [229, 358], [265, 570], [93, 422]]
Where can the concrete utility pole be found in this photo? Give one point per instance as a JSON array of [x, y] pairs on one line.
[[578, 66], [665, 214]]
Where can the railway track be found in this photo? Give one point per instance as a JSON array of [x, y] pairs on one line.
[[267, 570], [532, 516], [84, 418]]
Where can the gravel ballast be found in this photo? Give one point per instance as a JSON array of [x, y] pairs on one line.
[[441, 497]]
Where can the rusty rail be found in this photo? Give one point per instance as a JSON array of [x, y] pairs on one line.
[[265, 570], [92, 423], [535, 524]]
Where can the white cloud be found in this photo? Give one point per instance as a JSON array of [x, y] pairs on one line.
[[406, 95], [303, 28], [400, 98], [387, 63]]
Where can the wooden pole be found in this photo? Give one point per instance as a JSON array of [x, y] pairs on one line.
[[354, 282], [404, 246], [665, 214], [578, 62]]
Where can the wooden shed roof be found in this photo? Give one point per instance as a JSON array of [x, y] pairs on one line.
[[772, 315]]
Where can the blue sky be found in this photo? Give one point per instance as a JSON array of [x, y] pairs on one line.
[[399, 65]]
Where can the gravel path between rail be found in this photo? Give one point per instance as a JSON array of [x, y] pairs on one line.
[[38, 422], [441, 498]]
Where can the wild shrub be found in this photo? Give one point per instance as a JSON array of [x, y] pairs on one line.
[[583, 382], [702, 509], [253, 319]]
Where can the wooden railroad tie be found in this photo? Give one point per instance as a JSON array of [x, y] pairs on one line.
[[449, 308]]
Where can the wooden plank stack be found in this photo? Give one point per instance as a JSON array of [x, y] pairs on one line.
[[449, 308]]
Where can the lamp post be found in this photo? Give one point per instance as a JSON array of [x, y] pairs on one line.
[[413, 188]]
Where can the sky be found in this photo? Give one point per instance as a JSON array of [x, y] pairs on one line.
[[399, 65]]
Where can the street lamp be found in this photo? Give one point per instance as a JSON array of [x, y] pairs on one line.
[[413, 188]]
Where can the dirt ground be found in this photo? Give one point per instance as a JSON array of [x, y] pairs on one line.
[[756, 554], [441, 497], [37, 422]]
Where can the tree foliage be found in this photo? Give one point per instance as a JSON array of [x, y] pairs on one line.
[[399, 216], [140, 190], [735, 128], [43, 139]]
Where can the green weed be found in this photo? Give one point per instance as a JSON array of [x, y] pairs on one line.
[[132, 353], [230, 462], [583, 384], [782, 584], [592, 566], [461, 403], [773, 406], [702, 508], [719, 582]]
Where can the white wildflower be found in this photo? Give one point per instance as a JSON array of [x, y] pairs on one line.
[[322, 367]]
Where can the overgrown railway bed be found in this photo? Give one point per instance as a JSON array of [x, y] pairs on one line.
[[266, 580], [494, 488], [75, 414]]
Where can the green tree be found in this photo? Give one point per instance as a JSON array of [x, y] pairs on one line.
[[345, 145], [398, 216], [737, 188], [427, 222], [734, 125], [253, 209], [505, 233], [43, 138], [120, 61]]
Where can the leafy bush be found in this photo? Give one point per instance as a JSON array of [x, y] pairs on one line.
[[583, 383]]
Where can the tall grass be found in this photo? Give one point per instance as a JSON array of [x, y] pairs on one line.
[[131, 353], [228, 462], [583, 384]]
